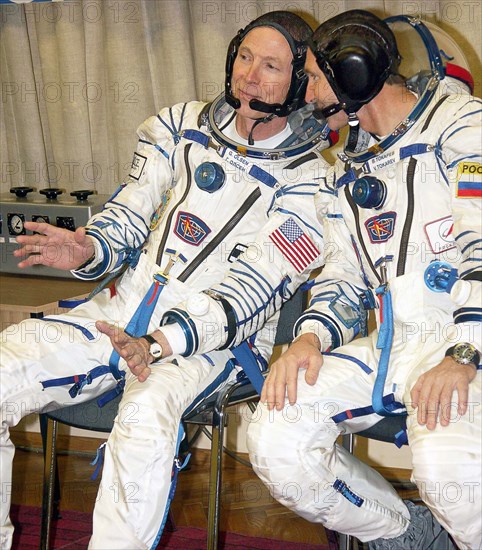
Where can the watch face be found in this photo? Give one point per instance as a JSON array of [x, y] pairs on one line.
[[156, 350], [464, 353]]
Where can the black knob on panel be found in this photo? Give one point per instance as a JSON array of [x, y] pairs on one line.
[[82, 194], [21, 192], [51, 193]]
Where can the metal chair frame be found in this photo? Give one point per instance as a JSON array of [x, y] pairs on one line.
[[211, 411]]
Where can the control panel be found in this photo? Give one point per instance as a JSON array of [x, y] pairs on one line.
[[52, 205]]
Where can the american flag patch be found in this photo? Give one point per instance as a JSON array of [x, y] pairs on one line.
[[295, 246]]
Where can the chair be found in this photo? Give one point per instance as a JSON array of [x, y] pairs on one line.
[[385, 431], [211, 411]]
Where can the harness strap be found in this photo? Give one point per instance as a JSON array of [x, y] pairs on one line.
[[139, 322], [136, 327], [98, 461], [401, 438], [79, 380], [247, 360], [384, 342], [388, 402]]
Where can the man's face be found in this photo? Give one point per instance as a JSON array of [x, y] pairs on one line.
[[321, 93], [262, 70]]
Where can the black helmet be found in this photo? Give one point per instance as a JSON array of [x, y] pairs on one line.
[[357, 52], [296, 31]]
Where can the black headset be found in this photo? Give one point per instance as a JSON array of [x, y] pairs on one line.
[[356, 65], [296, 93]]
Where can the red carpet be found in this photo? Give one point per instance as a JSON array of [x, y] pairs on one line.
[[73, 532]]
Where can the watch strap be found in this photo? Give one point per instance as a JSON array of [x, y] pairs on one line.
[[157, 354], [476, 359], [149, 338]]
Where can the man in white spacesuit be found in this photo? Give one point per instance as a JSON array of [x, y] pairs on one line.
[[405, 222], [229, 184]]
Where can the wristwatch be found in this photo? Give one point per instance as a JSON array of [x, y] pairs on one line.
[[155, 349], [464, 354]]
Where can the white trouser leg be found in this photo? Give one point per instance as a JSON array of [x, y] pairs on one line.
[[140, 451], [35, 351], [293, 451], [447, 468]]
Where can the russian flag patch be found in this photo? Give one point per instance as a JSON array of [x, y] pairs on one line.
[[469, 180]]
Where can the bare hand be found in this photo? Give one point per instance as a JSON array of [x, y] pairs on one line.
[[432, 393], [283, 374], [54, 246], [135, 351]]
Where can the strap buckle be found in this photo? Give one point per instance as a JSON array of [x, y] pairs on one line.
[[162, 277]]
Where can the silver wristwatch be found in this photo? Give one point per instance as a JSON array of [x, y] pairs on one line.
[[464, 353], [155, 349]]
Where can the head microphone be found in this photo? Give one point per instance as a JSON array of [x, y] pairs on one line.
[[322, 114], [262, 107]]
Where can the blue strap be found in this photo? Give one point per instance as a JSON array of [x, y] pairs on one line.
[[409, 151], [347, 178], [414, 149], [246, 359], [79, 380], [108, 396], [262, 176], [388, 401], [384, 342], [137, 326], [98, 461], [72, 303], [197, 136], [139, 322], [254, 171], [401, 438]]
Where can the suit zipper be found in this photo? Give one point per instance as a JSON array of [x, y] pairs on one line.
[[354, 208], [194, 264]]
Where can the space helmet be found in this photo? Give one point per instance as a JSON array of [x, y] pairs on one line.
[[423, 56], [357, 52], [296, 32]]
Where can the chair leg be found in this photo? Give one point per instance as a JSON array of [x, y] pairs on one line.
[[216, 467], [215, 480], [50, 469]]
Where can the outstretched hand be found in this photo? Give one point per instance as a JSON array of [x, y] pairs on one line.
[[433, 392], [54, 246], [304, 353]]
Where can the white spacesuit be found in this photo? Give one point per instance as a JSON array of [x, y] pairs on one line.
[[405, 221], [197, 201]]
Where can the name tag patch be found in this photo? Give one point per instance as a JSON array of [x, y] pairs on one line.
[[137, 166]]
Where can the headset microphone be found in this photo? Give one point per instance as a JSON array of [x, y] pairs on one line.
[[262, 107], [321, 114]]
